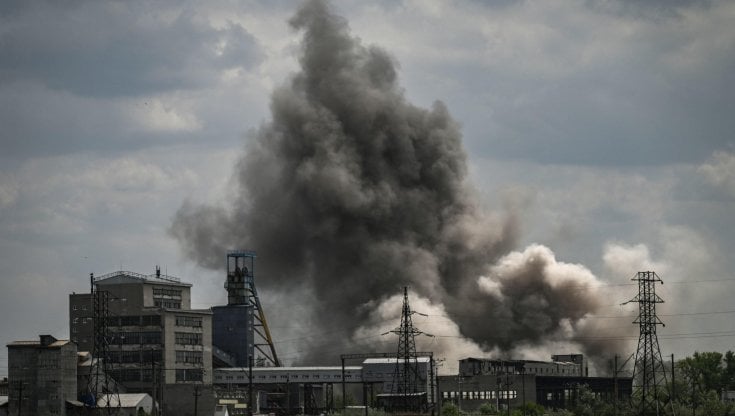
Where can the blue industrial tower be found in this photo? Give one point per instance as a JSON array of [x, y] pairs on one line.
[[240, 329]]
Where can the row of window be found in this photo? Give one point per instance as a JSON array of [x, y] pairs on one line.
[[293, 377], [132, 374], [190, 357], [480, 395], [169, 304], [190, 374], [188, 338], [146, 356], [193, 321], [159, 291], [130, 338], [134, 320]]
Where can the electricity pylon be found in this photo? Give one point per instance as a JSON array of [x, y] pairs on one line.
[[406, 375], [649, 374]]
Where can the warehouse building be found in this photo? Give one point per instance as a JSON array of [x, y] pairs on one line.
[[511, 383]]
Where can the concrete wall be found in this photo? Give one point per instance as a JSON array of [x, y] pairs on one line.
[[81, 323], [42, 378], [178, 399]]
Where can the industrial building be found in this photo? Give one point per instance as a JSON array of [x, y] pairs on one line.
[[512, 383], [240, 335], [140, 333], [42, 376], [572, 365], [293, 390], [154, 342]]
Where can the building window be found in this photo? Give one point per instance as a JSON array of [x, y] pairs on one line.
[[151, 320], [150, 356], [168, 304], [136, 337], [189, 374], [192, 321], [159, 292], [188, 338], [190, 357]]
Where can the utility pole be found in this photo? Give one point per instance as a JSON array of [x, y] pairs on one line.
[[507, 391], [20, 397], [523, 382], [250, 386], [153, 386], [196, 394], [673, 380], [615, 386], [498, 380]]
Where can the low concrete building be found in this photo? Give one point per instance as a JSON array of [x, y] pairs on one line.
[[130, 404], [42, 376], [492, 366], [511, 383]]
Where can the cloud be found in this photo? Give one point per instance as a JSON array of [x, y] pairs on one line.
[[110, 49], [719, 172], [626, 260], [582, 83]]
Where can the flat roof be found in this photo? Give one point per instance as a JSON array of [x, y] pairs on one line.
[[126, 399], [267, 369], [37, 344], [393, 360], [161, 279]]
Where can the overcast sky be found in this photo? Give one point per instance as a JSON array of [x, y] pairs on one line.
[[607, 125]]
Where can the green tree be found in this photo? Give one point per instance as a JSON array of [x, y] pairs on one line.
[[488, 408], [704, 369], [728, 376], [530, 409], [450, 409]]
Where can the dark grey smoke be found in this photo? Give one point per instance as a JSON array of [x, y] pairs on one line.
[[352, 192]]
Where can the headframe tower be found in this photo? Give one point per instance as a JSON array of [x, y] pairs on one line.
[[240, 328]]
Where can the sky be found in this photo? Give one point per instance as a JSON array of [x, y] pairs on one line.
[[605, 127]]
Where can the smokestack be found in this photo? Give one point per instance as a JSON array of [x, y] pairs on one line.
[[351, 192]]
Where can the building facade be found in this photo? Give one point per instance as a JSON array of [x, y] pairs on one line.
[[491, 366], [42, 376], [511, 383], [156, 341]]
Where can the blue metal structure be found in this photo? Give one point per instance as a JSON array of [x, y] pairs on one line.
[[240, 328]]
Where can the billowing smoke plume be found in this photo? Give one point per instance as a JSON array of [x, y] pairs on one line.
[[351, 192]]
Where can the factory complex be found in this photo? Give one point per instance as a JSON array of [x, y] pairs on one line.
[[136, 346]]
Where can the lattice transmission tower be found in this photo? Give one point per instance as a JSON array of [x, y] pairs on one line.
[[406, 376], [649, 372], [100, 384]]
